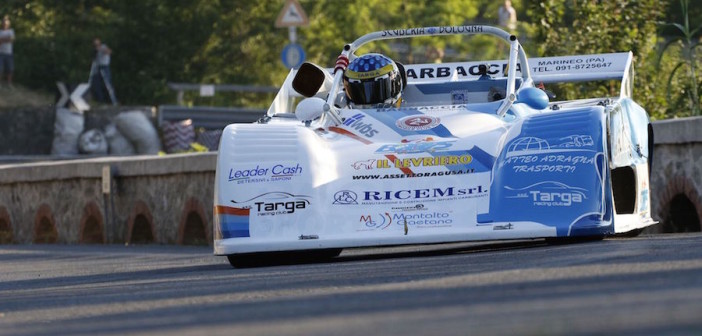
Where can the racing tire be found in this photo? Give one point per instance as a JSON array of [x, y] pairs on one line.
[[248, 260]]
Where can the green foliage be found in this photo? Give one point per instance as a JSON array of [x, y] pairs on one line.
[[686, 40], [334, 23], [235, 42], [200, 41], [569, 27]]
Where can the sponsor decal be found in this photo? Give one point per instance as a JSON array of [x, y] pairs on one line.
[[415, 147], [279, 208], [406, 32], [453, 106], [356, 122], [275, 203], [417, 139], [367, 164], [379, 221], [417, 207], [433, 30], [576, 141], [536, 155], [547, 65], [405, 196], [231, 222], [417, 122], [590, 64], [382, 221], [431, 219], [508, 226], [459, 71], [550, 194], [460, 29], [409, 175], [534, 145], [349, 134], [345, 197], [267, 173], [425, 161], [548, 163]]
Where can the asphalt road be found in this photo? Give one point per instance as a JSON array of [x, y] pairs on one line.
[[645, 285]]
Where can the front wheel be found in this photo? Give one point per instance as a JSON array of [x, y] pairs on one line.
[[245, 260]]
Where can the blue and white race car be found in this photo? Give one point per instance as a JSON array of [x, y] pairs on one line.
[[473, 151]]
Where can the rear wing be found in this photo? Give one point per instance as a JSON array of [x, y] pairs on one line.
[[582, 68], [556, 69]]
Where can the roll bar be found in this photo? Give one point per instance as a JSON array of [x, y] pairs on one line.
[[331, 115]]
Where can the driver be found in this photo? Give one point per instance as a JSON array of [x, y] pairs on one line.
[[373, 80]]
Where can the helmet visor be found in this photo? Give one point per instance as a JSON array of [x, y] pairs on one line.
[[374, 91]]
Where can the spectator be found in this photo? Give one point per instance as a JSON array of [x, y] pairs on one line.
[[507, 16], [7, 64], [100, 76], [434, 54]]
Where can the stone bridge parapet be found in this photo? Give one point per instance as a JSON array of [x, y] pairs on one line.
[[676, 177], [168, 199], [151, 199]]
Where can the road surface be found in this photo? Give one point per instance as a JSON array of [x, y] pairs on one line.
[[645, 285]]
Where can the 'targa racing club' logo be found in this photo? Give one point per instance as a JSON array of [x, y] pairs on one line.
[[550, 194], [275, 203], [417, 122]]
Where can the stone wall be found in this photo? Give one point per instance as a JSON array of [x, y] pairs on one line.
[[63, 202], [169, 199], [677, 165]]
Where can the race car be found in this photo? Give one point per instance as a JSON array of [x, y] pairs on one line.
[[473, 151]]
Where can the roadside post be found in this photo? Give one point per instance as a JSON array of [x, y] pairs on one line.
[[292, 16]]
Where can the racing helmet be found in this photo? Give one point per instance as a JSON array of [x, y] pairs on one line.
[[373, 79]]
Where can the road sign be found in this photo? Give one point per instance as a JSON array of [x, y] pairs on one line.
[[292, 15], [207, 90], [76, 97], [293, 55], [64, 94]]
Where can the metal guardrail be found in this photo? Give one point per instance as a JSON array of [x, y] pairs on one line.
[[209, 117], [182, 87]]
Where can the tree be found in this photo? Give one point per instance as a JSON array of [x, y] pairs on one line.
[[688, 40], [217, 41], [568, 27]]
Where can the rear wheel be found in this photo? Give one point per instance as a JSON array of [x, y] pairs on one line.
[[245, 260]]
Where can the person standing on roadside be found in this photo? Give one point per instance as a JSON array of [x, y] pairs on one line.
[[7, 64], [100, 75], [507, 16]]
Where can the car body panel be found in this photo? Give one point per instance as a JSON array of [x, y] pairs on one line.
[[451, 164]]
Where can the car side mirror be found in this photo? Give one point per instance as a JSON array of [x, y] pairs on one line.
[[310, 109], [311, 80], [533, 97]]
